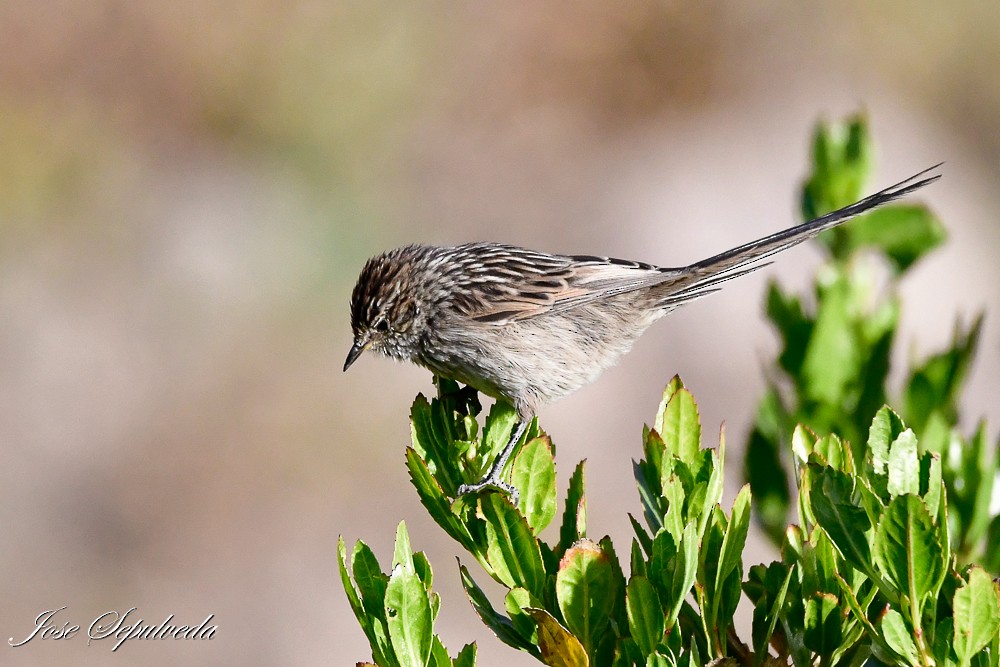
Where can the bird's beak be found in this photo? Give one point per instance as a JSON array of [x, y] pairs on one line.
[[355, 352]]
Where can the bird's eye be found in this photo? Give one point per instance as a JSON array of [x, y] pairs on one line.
[[382, 326]]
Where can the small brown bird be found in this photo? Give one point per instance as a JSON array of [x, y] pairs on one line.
[[530, 327]]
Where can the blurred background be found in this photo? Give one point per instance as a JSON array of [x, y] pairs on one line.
[[188, 191]]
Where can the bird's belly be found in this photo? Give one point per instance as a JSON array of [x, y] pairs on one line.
[[535, 361]]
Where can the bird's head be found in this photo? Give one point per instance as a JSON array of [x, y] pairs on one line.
[[386, 313]]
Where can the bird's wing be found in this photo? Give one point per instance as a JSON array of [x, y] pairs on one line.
[[498, 284]]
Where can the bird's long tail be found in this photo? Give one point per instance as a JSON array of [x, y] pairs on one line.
[[704, 277]]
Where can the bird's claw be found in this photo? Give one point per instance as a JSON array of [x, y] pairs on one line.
[[490, 483]]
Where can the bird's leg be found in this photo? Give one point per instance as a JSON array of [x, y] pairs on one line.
[[492, 478]]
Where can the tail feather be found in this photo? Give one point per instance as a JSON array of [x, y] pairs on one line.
[[700, 278]]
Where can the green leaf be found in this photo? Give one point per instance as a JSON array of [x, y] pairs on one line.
[[977, 615], [574, 521], [903, 465], [512, 549], [934, 385], [907, 552], [466, 657], [433, 499], [904, 232], [944, 636], [645, 614], [684, 573], [980, 474], [769, 606], [439, 654], [376, 636], [841, 164], [785, 312], [402, 553], [499, 426], [898, 637], [764, 469], [408, 615], [516, 601], [832, 452], [585, 592], [534, 476], [841, 518], [370, 580], [502, 627], [822, 623], [558, 647], [930, 480], [431, 441], [730, 559], [672, 387], [833, 357], [662, 561], [681, 427], [642, 537]]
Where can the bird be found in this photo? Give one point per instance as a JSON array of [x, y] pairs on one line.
[[531, 327]]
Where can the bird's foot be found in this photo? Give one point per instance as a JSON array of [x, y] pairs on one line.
[[490, 482]]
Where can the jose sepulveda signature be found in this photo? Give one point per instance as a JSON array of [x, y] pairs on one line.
[[116, 626]]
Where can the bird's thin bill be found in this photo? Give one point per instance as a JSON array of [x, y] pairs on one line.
[[353, 355]]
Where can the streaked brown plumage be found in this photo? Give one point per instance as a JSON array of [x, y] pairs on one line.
[[531, 327]]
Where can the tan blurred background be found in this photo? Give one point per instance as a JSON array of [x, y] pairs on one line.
[[188, 189]]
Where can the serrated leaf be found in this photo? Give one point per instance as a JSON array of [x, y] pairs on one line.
[[558, 647], [906, 551], [534, 476], [672, 387], [903, 465], [439, 654], [977, 615], [681, 428], [645, 614], [402, 553], [898, 637], [574, 521], [643, 538], [466, 657], [585, 592], [512, 549], [408, 617], [832, 452]]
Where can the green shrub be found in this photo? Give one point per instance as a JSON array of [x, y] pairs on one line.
[[875, 569]]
